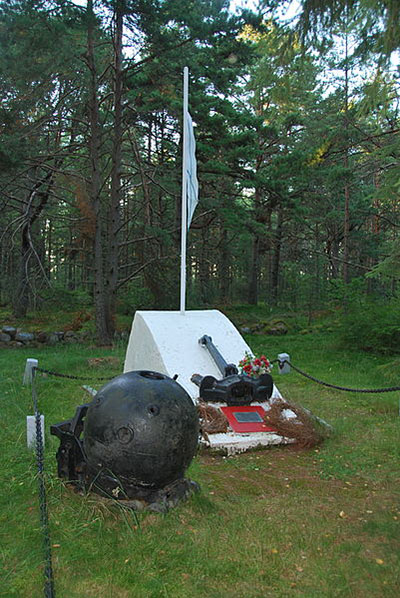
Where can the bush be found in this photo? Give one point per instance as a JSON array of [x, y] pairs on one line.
[[58, 295], [372, 327]]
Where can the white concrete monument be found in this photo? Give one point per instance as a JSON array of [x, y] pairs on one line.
[[167, 342]]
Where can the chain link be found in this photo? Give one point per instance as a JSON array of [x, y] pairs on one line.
[[44, 516], [69, 376], [362, 390]]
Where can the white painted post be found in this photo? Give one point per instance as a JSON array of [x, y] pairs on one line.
[[31, 430], [184, 192], [28, 374], [284, 363]]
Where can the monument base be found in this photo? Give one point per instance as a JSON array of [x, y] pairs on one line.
[[230, 443]]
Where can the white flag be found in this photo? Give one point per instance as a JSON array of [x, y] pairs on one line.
[[191, 169]]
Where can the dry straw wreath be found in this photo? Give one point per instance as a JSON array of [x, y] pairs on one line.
[[305, 429], [212, 420]]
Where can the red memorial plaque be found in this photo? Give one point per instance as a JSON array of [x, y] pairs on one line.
[[247, 418]]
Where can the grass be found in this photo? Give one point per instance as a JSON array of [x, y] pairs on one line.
[[278, 522]]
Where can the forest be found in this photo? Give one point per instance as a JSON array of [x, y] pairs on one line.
[[298, 154]]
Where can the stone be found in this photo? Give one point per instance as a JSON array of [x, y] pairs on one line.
[[4, 338], [10, 330], [24, 337], [276, 328], [53, 339], [15, 344], [70, 337], [42, 337]]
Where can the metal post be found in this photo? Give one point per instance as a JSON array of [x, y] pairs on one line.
[[184, 191]]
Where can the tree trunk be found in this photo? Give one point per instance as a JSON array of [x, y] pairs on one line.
[[276, 257], [100, 302], [252, 296], [114, 216], [254, 272], [204, 268], [224, 267], [21, 299], [32, 213], [346, 224]]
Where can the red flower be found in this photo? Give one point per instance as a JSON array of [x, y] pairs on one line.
[[254, 366]]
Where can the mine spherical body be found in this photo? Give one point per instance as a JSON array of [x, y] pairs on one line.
[[141, 427]]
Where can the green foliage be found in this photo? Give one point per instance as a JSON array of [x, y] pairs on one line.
[[134, 296], [377, 22], [352, 293], [57, 295], [372, 326], [278, 139]]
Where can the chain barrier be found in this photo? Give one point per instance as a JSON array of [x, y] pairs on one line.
[[298, 370], [69, 376], [281, 363], [44, 516], [362, 390]]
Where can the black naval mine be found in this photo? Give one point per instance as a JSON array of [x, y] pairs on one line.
[[133, 442]]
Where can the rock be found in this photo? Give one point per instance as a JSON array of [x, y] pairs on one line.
[[15, 344], [24, 337], [4, 338], [70, 337], [10, 330], [53, 339], [277, 331], [42, 337], [276, 328], [69, 334]]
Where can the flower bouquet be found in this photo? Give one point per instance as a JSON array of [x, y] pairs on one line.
[[254, 366]]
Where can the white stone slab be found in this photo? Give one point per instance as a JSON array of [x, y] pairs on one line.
[[232, 444], [167, 342]]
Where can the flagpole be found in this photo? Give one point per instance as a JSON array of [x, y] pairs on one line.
[[184, 191]]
